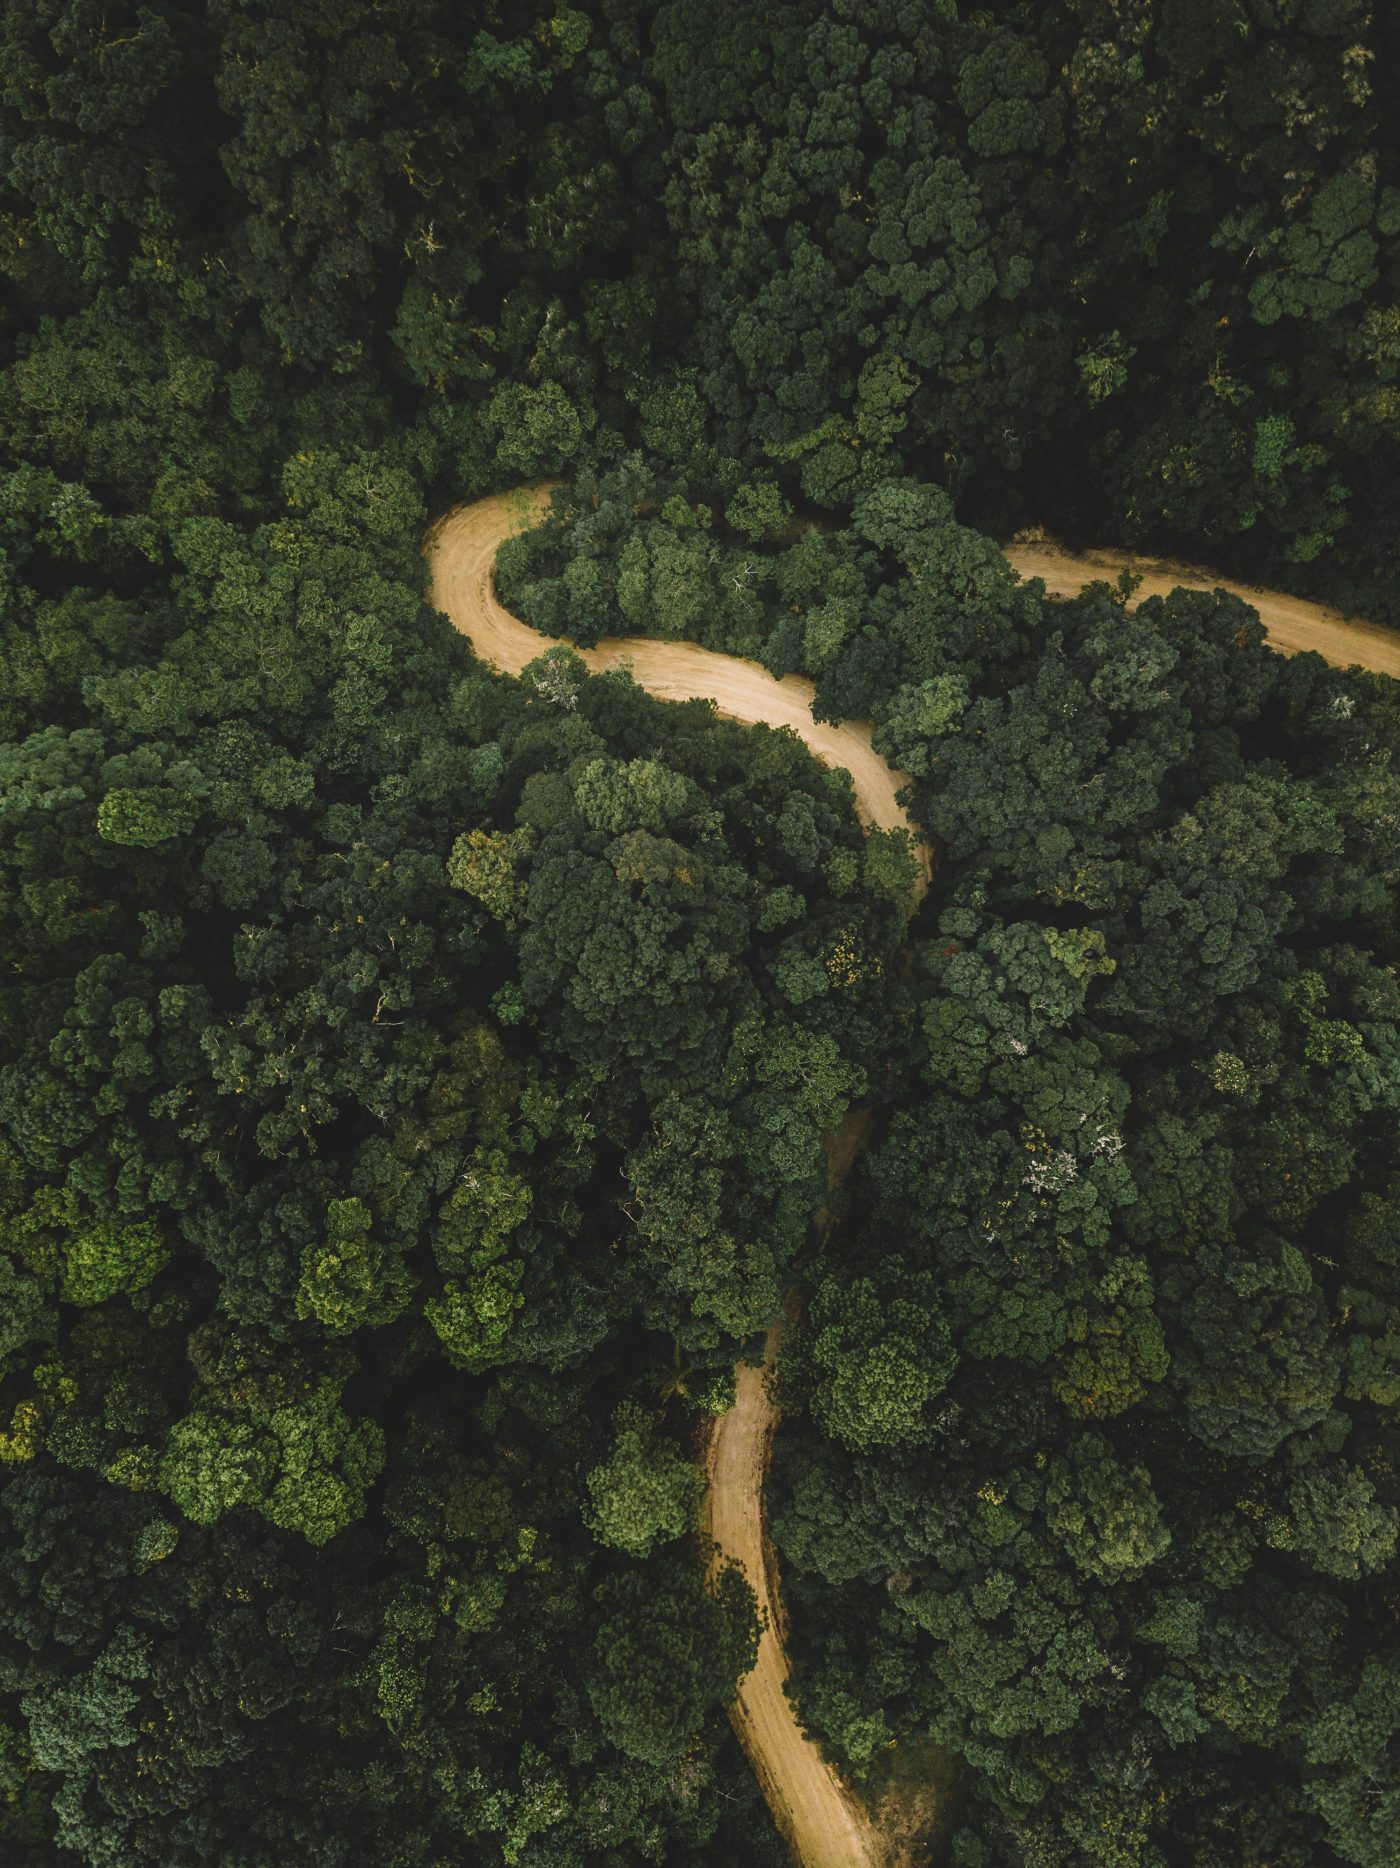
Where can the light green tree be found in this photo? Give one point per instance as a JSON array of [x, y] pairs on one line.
[[646, 1492]]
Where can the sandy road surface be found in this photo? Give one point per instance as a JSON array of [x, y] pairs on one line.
[[462, 553], [1292, 623], [824, 1825]]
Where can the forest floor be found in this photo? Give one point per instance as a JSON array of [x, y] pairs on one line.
[[824, 1824]]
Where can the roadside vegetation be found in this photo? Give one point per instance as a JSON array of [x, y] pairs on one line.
[[413, 1080]]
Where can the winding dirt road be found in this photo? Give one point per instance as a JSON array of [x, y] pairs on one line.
[[823, 1823], [462, 555], [1293, 624]]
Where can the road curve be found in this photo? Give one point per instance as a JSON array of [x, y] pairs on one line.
[[462, 555], [1292, 623], [822, 1823], [825, 1826]]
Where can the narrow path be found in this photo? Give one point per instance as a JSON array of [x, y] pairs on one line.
[[824, 1825], [1293, 624], [462, 555]]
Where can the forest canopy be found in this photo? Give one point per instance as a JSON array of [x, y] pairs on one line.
[[414, 1080]]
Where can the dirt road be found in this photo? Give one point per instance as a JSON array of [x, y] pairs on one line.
[[1292, 623], [462, 552], [823, 1824]]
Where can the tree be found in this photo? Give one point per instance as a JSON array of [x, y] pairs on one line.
[[348, 1281], [666, 1650], [539, 429], [102, 1259], [1106, 1515], [1347, 1750], [1332, 1522], [645, 1492], [877, 1355], [296, 1457]]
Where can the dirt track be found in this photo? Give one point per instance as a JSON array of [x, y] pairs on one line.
[[1293, 624], [824, 1825], [462, 552]]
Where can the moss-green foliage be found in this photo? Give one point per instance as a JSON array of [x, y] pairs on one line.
[[1144, 1146], [413, 1083], [645, 1492]]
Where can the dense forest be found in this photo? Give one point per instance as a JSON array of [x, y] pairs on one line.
[[413, 1080]]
